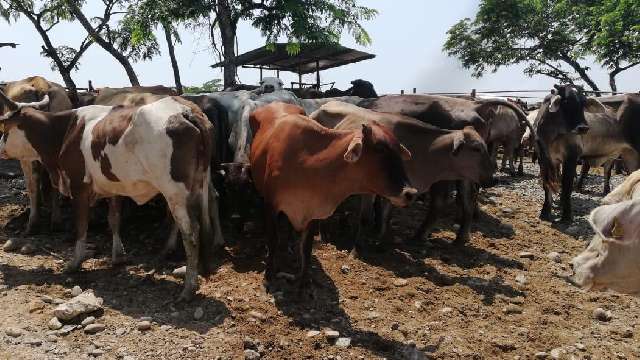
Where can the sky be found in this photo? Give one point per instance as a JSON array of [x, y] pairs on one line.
[[407, 39]]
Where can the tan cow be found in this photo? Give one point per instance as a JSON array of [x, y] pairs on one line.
[[34, 90], [611, 260]]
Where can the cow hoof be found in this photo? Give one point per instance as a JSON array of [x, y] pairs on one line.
[[11, 245], [186, 296], [120, 260], [544, 216], [57, 227], [71, 268], [30, 230], [566, 220], [286, 276], [461, 241]]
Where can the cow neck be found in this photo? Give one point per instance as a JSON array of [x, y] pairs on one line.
[[46, 131]]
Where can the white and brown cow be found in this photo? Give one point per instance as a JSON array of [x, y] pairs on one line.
[[102, 151], [34, 91]]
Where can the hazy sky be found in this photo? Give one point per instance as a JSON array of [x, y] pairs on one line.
[[407, 39]]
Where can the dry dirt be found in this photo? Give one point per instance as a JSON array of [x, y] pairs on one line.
[[430, 301]]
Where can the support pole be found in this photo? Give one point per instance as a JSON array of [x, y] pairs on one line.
[[261, 74], [318, 74]]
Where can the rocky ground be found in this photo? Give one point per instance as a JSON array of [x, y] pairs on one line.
[[504, 295]]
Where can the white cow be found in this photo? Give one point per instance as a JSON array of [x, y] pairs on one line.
[[611, 260]]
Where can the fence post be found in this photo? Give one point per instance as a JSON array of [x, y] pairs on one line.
[[473, 93], [402, 92], [414, 90]]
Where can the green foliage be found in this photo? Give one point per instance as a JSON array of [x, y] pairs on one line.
[[507, 32], [552, 37], [207, 87]]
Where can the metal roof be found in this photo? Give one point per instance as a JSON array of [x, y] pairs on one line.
[[304, 62]]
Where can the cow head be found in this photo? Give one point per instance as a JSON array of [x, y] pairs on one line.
[[470, 155], [14, 143], [379, 154], [363, 89], [238, 193], [270, 84], [569, 102], [611, 260]]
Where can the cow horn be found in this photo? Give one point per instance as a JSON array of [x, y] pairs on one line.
[[458, 141], [37, 104], [12, 105]]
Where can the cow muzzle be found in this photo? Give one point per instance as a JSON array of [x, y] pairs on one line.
[[581, 129], [406, 197]]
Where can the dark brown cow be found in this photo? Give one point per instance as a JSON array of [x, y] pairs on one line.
[[438, 154], [305, 171], [34, 90], [571, 127], [103, 152]]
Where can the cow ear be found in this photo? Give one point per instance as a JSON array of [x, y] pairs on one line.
[[354, 151], [608, 222], [405, 154], [554, 105], [458, 143], [594, 106], [367, 131]]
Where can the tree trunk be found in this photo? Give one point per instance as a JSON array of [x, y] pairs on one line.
[[133, 78], [172, 55], [64, 71], [612, 82], [228, 27], [582, 72]]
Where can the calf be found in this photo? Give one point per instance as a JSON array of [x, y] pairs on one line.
[[506, 130], [438, 154], [99, 151], [34, 92], [305, 171], [569, 127], [611, 259]]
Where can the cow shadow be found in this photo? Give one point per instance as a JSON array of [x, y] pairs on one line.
[[134, 295], [319, 307]]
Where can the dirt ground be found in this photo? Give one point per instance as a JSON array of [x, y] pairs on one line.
[[483, 301]]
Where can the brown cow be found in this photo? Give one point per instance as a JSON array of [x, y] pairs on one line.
[[305, 171], [438, 154], [103, 152], [33, 90]]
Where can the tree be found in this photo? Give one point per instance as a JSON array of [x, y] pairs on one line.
[[544, 34], [207, 87], [614, 26], [44, 18], [119, 42], [145, 16], [299, 21]]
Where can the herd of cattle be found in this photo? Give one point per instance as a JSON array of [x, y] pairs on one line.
[[222, 155]]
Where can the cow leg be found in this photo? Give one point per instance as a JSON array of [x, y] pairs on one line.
[[467, 197], [171, 243], [56, 215], [545, 213], [214, 215], [80, 202], [305, 249], [32, 180], [437, 198], [584, 171], [383, 217], [568, 176], [271, 230], [608, 168], [365, 221], [185, 214], [117, 249], [511, 150], [520, 153]]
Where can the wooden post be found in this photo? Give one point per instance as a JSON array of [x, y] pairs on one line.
[[473, 93], [278, 74], [402, 92], [318, 74], [299, 79], [260, 73], [414, 90]]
